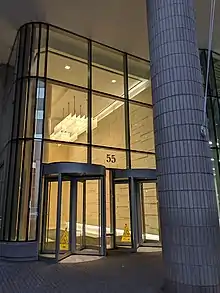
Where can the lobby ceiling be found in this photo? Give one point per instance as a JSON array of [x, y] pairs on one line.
[[118, 23]]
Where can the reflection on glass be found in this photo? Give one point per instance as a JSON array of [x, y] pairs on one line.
[[58, 152], [150, 220], [211, 123], [109, 215], [109, 158], [123, 219], [107, 70], [67, 58], [139, 86], [92, 228], [141, 128], [80, 220], [37, 56], [39, 112], [49, 243], [65, 217], [24, 191], [141, 160], [33, 204], [109, 126], [66, 114]]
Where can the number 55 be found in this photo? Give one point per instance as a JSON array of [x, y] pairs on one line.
[[110, 158]]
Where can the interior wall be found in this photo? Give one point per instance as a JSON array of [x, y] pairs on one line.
[[110, 131]]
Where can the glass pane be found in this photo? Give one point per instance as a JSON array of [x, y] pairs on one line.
[[141, 160], [213, 73], [49, 238], [39, 112], [107, 70], [41, 54], [108, 122], [109, 215], [93, 229], [25, 182], [122, 214], [33, 204], [216, 173], [141, 128], [211, 123], [80, 224], [30, 111], [216, 118], [67, 58], [150, 212], [109, 158], [139, 85], [65, 218], [66, 116], [59, 152]]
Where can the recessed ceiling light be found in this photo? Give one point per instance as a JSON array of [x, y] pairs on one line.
[[113, 81], [67, 67]]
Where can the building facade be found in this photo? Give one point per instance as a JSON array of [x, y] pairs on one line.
[[83, 125]]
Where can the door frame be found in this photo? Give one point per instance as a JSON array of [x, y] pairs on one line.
[[134, 178]]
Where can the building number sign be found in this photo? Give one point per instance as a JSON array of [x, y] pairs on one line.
[[110, 158]]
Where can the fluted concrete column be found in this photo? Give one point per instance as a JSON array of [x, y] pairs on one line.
[[188, 208]]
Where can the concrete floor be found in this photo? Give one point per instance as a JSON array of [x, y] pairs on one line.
[[119, 272]]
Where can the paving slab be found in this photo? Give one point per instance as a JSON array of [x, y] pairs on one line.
[[119, 272]]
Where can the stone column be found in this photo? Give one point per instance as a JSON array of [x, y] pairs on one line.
[[188, 207]]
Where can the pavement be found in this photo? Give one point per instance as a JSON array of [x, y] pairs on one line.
[[119, 272]]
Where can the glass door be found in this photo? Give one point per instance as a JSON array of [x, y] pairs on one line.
[[91, 214], [80, 216], [64, 217], [125, 227], [73, 217], [49, 218], [149, 216]]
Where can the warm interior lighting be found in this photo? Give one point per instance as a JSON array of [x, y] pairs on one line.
[[71, 127], [113, 81], [67, 67]]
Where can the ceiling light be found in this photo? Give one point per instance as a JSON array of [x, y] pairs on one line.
[[67, 67], [210, 142], [113, 81]]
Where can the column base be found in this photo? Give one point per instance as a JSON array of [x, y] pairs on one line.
[[19, 251], [173, 287]]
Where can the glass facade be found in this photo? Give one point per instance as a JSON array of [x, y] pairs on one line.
[[213, 111], [73, 100], [68, 98]]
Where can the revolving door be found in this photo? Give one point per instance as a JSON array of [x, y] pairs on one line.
[[134, 209], [73, 210]]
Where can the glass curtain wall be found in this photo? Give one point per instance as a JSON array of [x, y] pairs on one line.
[[213, 111], [75, 100]]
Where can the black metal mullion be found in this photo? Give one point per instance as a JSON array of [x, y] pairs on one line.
[[43, 130], [89, 105], [127, 123], [25, 131], [25, 142], [34, 123], [6, 189], [22, 44]]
